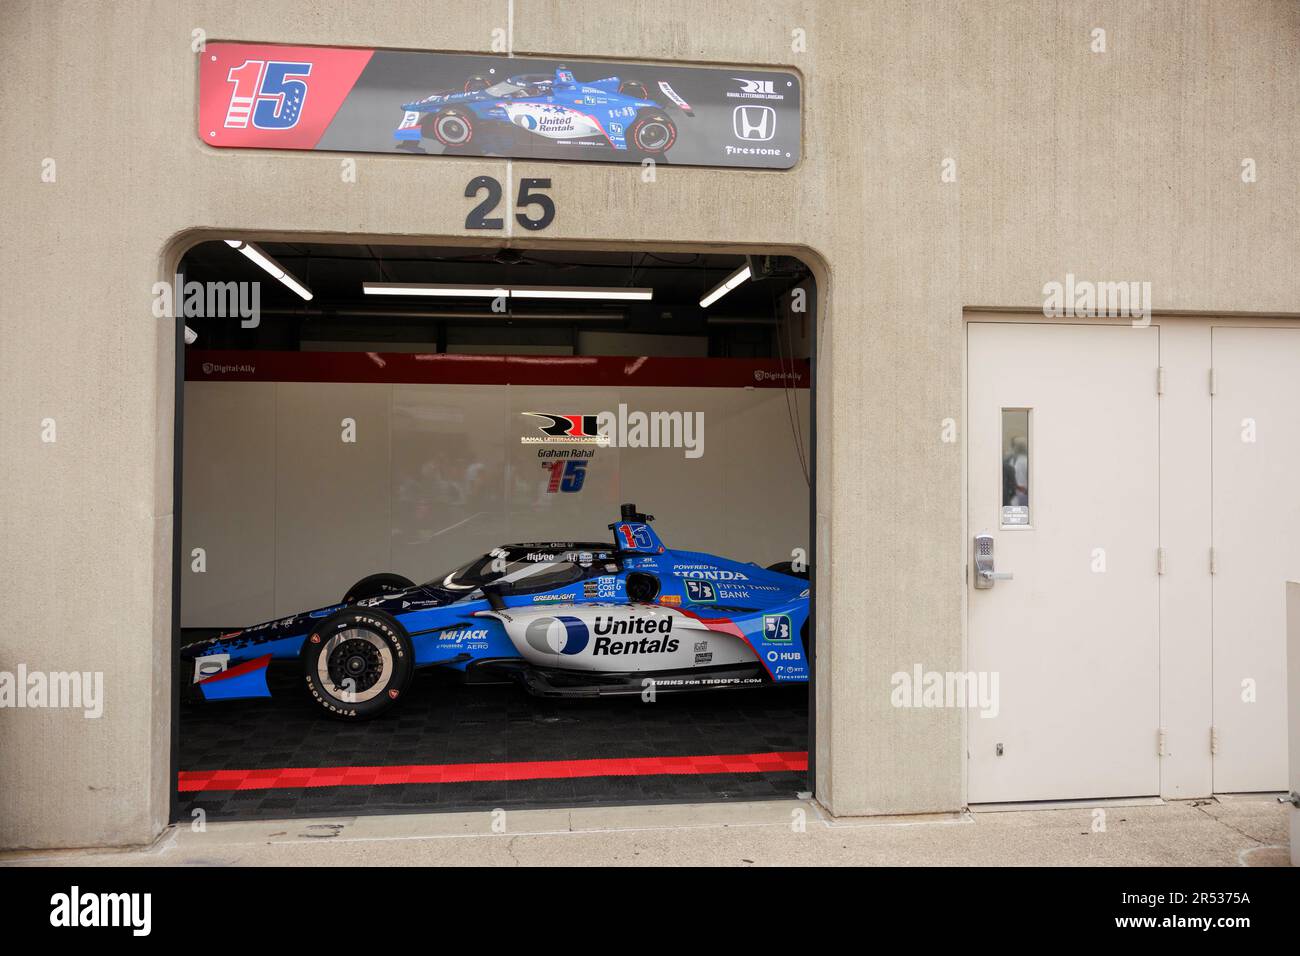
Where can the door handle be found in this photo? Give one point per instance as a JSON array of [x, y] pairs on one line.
[[985, 574]]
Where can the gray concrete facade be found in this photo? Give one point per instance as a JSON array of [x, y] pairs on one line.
[[1125, 163]]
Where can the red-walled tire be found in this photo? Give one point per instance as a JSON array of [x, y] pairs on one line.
[[653, 134], [452, 128]]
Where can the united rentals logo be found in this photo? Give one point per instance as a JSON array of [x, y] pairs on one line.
[[658, 639], [558, 635]]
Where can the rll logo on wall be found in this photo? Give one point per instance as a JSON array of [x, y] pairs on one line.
[[623, 429]]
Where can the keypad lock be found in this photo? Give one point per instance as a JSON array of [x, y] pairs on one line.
[[985, 572]]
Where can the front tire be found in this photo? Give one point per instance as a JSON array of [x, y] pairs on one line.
[[377, 585], [453, 128], [357, 664]]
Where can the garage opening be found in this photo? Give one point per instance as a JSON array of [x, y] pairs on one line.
[[468, 528]]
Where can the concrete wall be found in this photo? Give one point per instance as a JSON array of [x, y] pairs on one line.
[[1115, 165]]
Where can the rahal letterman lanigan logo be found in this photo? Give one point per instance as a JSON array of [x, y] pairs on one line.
[[623, 428]]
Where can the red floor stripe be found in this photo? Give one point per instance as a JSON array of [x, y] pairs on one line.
[[286, 778]]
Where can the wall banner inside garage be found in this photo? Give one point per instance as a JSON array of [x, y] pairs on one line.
[[263, 96]]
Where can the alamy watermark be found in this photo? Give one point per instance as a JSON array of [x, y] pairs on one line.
[[1081, 298], [72, 690], [208, 300], [622, 429], [940, 689]]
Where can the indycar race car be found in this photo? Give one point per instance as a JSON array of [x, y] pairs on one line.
[[565, 619], [483, 117]]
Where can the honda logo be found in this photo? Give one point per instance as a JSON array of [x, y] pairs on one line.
[[754, 122]]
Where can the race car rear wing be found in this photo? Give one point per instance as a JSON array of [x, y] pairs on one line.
[[680, 103]]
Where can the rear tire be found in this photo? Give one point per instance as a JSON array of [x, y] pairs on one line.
[[357, 664], [787, 567], [652, 134], [377, 585]]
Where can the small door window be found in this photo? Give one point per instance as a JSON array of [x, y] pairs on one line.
[[1015, 467]]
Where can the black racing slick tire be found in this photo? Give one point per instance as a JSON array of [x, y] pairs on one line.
[[357, 664], [652, 134], [453, 128], [787, 567], [377, 585]]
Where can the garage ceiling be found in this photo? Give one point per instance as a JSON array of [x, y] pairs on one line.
[[740, 323]]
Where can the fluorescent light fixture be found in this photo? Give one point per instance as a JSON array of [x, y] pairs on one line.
[[296, 286], [270, 266], [427, 288], [578, 292], [725, 286], [620, 293]]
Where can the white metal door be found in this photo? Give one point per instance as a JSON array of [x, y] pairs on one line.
[[1073, 637], [1256, 517]]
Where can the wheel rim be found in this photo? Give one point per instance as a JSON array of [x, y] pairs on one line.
[[354, 666], [453, 130], [653, 135]]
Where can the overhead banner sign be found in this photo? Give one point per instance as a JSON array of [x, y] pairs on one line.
[[260, 96]]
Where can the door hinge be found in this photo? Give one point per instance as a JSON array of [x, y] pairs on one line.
[[1160, 742], [1214, 382], [1160, 560], [1160, 380], [1214, 741], [1214, 561]]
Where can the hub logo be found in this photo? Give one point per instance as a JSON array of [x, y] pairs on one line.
[[558, 635]]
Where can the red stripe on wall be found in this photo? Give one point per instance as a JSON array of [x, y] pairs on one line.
[[442, 369], [285, 778]]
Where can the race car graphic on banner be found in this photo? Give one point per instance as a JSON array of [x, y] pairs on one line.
[[262, 96], [563, 618]]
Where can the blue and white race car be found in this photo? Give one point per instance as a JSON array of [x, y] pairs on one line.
[[564, 618], [483, 117]]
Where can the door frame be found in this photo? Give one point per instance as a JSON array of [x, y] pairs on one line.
[[1185, 523], [169, 265]]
